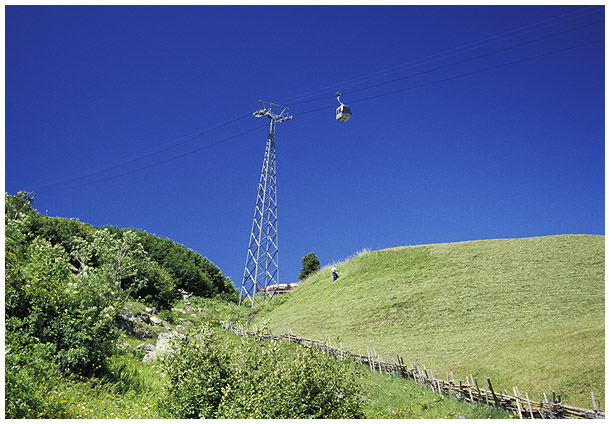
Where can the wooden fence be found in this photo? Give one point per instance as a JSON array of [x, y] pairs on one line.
[[470, 390]]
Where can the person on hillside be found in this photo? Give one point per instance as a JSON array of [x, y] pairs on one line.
[[335, 273]]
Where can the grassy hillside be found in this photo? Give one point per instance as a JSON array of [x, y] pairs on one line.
[[523, 312]]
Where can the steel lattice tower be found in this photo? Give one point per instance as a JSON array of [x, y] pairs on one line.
[[261, 274]]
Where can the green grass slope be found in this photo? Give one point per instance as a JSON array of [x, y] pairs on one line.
[[523, 312]]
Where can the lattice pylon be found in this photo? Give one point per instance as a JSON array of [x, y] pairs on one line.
[[261, 273]]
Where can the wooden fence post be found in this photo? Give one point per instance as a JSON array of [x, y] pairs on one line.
[[469, 383], [491, 389], [517, 402], [398, 367], [546, 400], [529, 404], [479, 390]]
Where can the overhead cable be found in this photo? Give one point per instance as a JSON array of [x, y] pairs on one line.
[[476, 57], [454, 51], [456, 63], [207, 146], [478, 71], [144, 155]]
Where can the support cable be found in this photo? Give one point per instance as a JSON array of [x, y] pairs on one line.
[[478, 71], [456, 63], [455, 51], [476, 57], [144, 155], [207, 146]]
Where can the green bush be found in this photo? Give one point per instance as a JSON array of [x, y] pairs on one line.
[[308, 384], [211, 377], [159, 289], [191, 271], [29, 377], [167, 316], [73, 314], [197, 372]]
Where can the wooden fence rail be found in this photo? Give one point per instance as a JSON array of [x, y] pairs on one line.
[[470, 390]]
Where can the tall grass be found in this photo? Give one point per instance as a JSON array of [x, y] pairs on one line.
[[394, 397], [523, 312], [354, 255]]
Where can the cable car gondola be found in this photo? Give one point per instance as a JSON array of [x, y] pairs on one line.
[[343, 111]]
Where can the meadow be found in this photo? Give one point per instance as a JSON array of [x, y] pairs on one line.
[[522, 312]]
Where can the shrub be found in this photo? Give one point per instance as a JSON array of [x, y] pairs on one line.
[[160, 289], [197, 372], [308, 384], [29, 376], [212, 377], [191, 271], [72, 313]]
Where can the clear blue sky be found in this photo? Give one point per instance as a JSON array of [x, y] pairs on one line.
[[516, 151]]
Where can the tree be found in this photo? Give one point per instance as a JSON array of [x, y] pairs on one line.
[[19, 203], [310, 264]]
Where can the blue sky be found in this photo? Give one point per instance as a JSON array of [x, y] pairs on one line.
[[110, 114]]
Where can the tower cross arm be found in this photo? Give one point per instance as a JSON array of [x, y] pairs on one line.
[[266, 110]]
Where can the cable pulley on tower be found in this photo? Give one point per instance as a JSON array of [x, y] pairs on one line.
[[343, 111], [266, 111]]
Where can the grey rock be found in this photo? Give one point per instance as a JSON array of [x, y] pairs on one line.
[[146, 347], [163, 347], [127, 316], [124, 325]]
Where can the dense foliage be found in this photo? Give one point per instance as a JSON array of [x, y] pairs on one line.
[[66, 283], [195, 273], [311, 264], [211, 376]]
